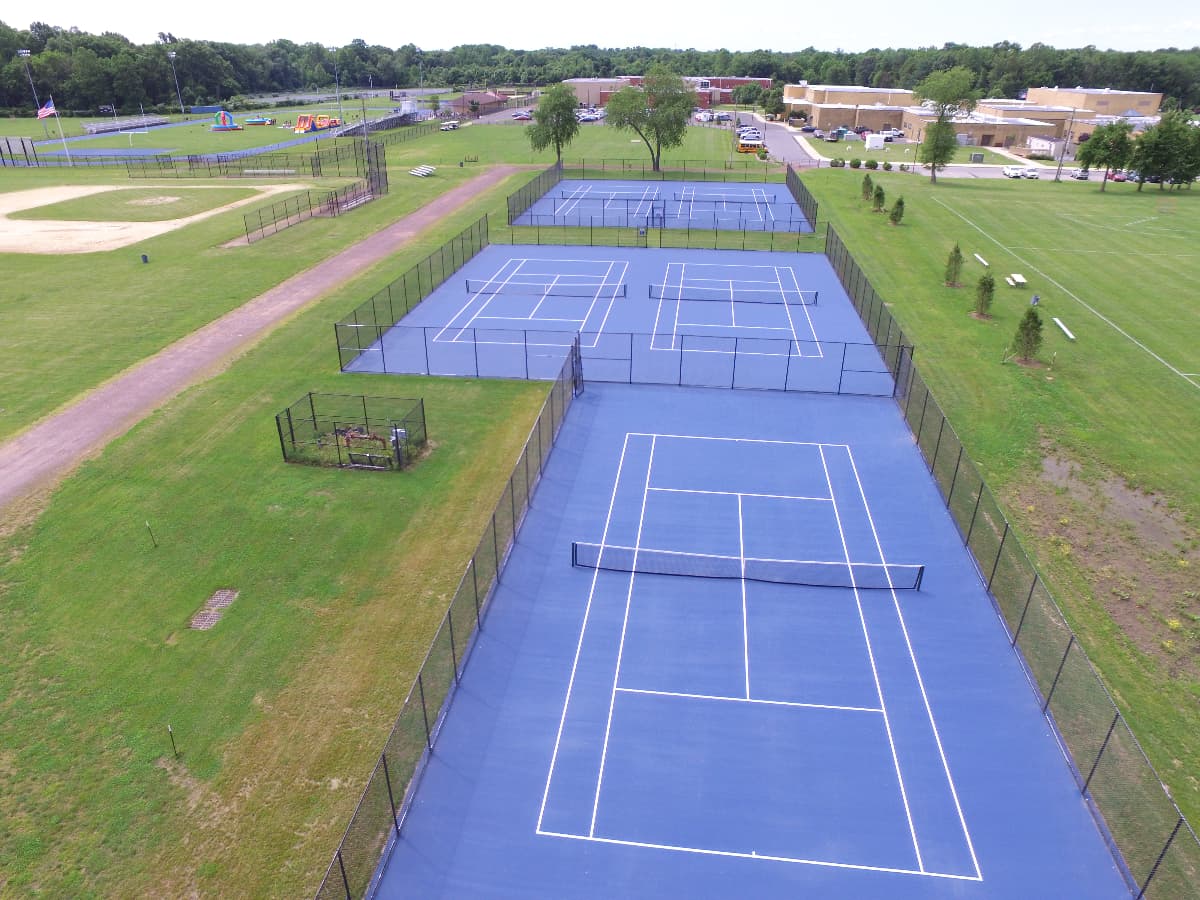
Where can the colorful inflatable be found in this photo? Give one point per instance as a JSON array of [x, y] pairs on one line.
[[223, 121]]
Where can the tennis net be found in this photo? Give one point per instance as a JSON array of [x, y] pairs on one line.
[[548, 289], [732, 293], [816, 573]]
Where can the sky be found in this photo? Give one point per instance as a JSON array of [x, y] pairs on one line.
[[780, 25]]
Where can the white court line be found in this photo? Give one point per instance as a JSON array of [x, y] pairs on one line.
[[745, 624], [1099, 315], [937, 738], [587, 613], [891, 870], [887, 724], [683, 695], [612, 700]]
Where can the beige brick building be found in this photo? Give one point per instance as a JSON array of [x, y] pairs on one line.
[[1101, 101]]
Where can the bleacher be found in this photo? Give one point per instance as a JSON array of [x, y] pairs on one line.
[[133, 123]]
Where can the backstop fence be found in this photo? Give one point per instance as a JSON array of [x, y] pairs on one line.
[[282, 214], [379, 817], [1158, 848], [352, 432]]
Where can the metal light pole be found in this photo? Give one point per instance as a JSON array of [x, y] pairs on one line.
[[337, 85], [178, 96], [1062, 153], [37, 104]]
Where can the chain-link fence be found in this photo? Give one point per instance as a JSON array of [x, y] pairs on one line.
[[531, 193], [1157, 847], [801, 194], [675, 170], [379, 817], [352, 431]]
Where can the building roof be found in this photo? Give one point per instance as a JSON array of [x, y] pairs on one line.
[[1083, 90]]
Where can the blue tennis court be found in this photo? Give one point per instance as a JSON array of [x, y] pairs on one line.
[[818, 700], [702, 317], [737, 206]]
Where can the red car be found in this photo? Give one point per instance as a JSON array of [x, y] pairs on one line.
[[1117, 176]]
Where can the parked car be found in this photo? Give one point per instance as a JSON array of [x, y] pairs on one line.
[[522, 116], [450, 126], [808, 129], [723, 116], [1081, 174], [1012, 171], [1117, 176], [1031, 172]]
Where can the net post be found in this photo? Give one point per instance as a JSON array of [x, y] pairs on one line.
[[574, 554], [920, 577]]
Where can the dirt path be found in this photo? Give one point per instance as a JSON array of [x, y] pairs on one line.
[[28, 465]]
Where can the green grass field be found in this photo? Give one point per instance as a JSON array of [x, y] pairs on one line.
[[281, 710], [1120, 542]]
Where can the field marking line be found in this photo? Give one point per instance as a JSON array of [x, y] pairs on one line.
[[1099, 315], [862, 618], [912, 656], [612, 699], [583, 627]]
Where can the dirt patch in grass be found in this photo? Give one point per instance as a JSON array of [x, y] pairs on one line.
[[154, 201], [1139, 556]]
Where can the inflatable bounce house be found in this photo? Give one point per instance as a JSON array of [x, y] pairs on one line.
[[306, 122], [259, 120], [223, 121]]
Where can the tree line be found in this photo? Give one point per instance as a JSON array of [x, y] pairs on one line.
[[85, 72]]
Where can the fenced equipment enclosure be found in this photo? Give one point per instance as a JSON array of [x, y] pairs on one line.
[[353, 432]]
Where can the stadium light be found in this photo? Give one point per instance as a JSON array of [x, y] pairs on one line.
[[178, 95], [37, 104], [337, 85]]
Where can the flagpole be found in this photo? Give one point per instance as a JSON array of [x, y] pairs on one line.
[[66, 149]]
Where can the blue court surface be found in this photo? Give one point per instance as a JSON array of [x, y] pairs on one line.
[[621, 734], [736, 206], [703, 317]]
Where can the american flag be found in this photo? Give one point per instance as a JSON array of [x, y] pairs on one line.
[[47, 110]]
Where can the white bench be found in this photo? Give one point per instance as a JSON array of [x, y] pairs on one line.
[[983, 262], [422, 171]]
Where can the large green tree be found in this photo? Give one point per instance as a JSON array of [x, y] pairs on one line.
[[554, 123], [949, 93], [1109, 146], [1162, 152], [657, 113]]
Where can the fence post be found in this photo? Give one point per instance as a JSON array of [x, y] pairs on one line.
[[342, 869], [1103, 747], [387, 779], [453, 650], [1161, 856], [999, 553], [1025, 610], [1062, 663], [424, 711], [475, 586], [974, 513], [954, 477]]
